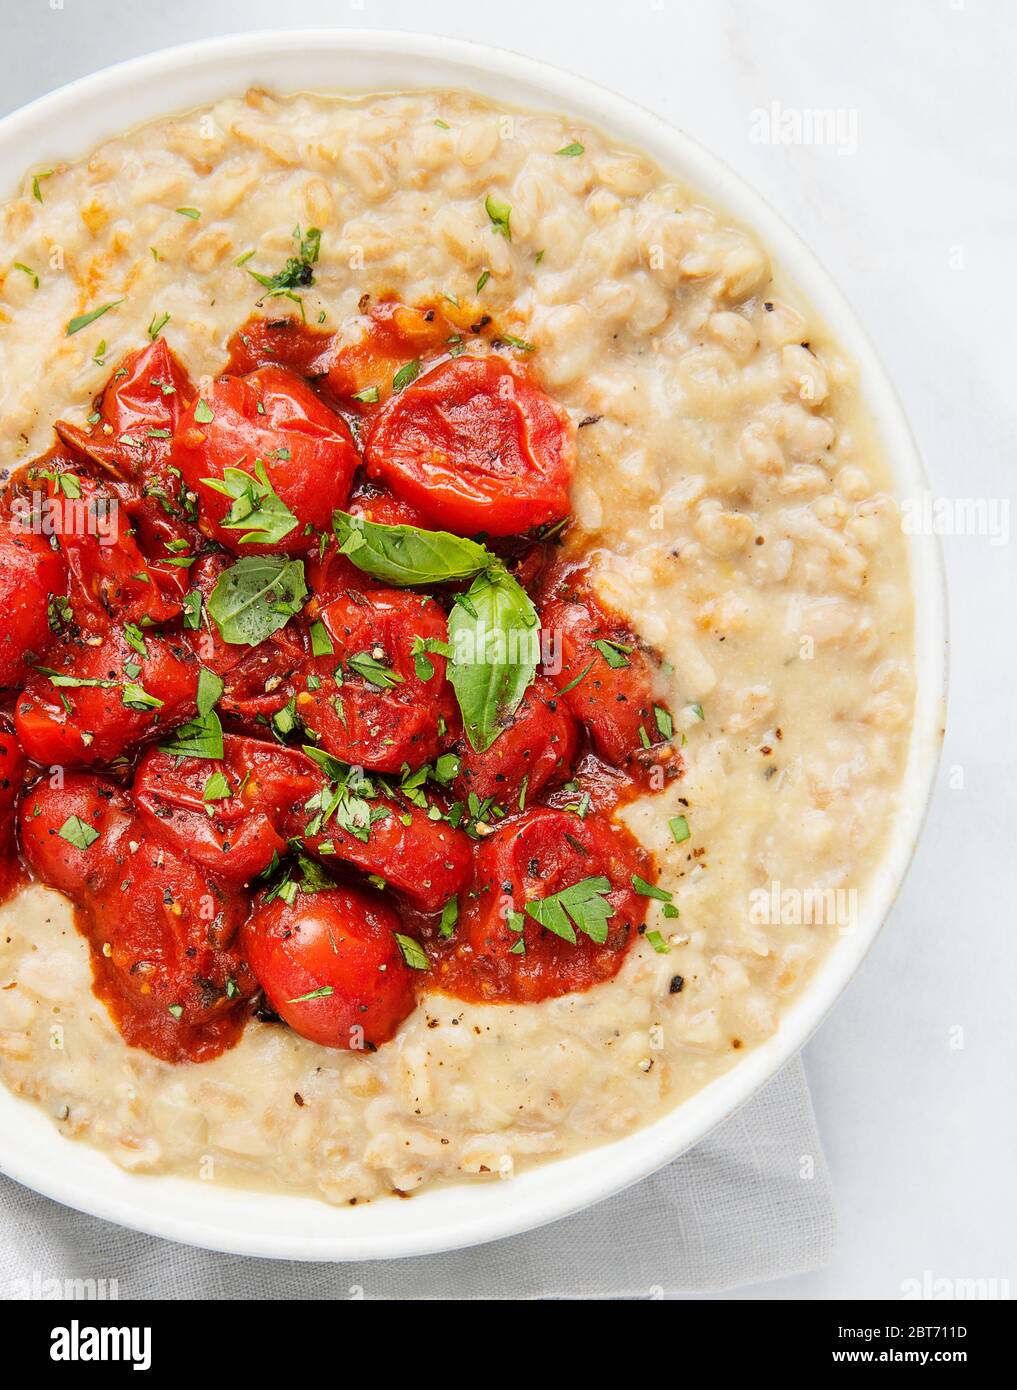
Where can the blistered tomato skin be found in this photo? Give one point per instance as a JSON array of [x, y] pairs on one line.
[[80, 724], [396, 718], [138, 413], [331, 967], [528, 859], [30, 571], [477, 447], [535, 751], [616, 701], [227, 815], [110, 580], [12, 778], [104, 638], [425, 860], [161, 931], [271, 416], [78, 800], [162, 935]]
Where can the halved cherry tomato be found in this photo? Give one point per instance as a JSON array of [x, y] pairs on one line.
[[31, 572], [526, 860], [537, 747], [476, 446], [98, 701], [383, 714], [331, 967], [225, 815], [271, 420], [610, 686], [426, 860]]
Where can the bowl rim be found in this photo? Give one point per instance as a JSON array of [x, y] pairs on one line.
[[276, 1225]]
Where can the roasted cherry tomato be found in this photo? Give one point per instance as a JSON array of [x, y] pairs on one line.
[[380, 505], [198, 632], [476, 446], [331, 967], [226, 815], [72, 828], [12, 779], [392, 334], [138, 411], [110, 580], [425, 860], [161, 931], [284, 342], [296, 454], [382, 714], [606, 679], [264, 680], [96, 702], [528, 860], [31, 573], [537, 748]]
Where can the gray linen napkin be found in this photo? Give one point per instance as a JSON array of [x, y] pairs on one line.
[[753, 1201]]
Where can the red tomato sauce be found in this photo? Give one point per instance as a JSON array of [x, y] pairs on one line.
[[261, 798]]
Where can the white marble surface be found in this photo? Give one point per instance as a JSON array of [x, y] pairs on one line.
[[918, 224]]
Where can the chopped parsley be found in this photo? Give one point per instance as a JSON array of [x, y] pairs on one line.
[[83, 320], [500, 214], [78, 832]]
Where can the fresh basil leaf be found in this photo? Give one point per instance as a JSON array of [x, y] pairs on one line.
[[256, 597], [193, 603], [83, 320], [135, 638], [679, 828], [406, 555], [494, 654], [137, 697], [665, 724], [650, 890], [325, 992], [614, 653]]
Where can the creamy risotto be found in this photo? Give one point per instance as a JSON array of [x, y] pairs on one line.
[[738, 513]]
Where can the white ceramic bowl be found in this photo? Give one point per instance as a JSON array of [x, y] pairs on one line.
[[69, 123]]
